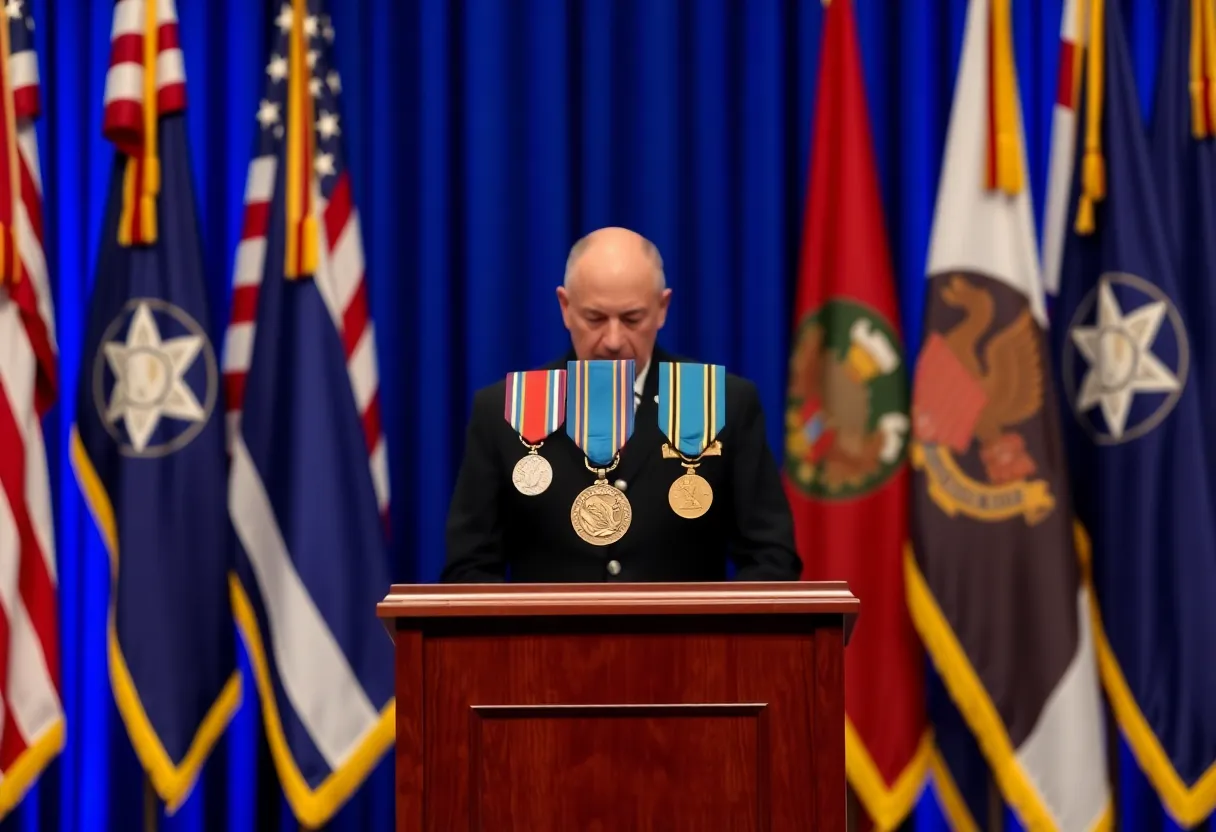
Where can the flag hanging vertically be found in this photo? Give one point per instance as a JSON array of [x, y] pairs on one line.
[[148, 439], [1063, 139], [994, 582], [847, 430], [309, 483], [1136, 265], [1183, 150], [32, 729]]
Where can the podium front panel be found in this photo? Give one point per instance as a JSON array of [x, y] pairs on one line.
[[550, 725], [623, 767]]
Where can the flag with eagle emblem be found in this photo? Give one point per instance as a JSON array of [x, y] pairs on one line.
[[994, 584]]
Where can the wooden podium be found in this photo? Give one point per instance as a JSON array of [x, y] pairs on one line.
[[620, 707]]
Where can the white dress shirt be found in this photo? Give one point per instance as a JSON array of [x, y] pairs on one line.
[[639, 383]]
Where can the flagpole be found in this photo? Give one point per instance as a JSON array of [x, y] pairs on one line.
[[996, 806], [151, 806]]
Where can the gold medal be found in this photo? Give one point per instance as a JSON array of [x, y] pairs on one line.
[[690, 496], [601, 514], [692, 412], [600, 398], [532, 474]]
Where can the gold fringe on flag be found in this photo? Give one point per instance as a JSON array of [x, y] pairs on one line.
[[1005, 171], [302, 240], [1203, 69], [141, 178], [1093, 165]]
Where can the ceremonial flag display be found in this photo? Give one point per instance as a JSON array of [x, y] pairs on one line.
[[995, 586], [600, 419], [535, 407], [32, 727], [148, 439], [1134, 299], [309, 492], [1183, 149], [847, 430]]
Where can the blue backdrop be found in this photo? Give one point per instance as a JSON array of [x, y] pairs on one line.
[[484, 137]]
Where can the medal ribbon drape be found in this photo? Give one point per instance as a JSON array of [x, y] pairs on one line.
[[599, 408], [536, 403], [692, 405], [535, 407], [599, 401]]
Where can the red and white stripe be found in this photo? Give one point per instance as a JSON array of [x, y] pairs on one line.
[[311, 679], [31, 709], [339, 279], [1056, 223], [246, 284], [123, 120]]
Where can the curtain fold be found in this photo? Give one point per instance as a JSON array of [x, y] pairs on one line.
[[484, 137]]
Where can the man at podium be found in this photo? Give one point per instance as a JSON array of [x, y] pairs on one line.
[[618, 462]]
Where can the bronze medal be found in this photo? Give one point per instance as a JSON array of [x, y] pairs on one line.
[[532, 475], [601, 514], [690, 496]]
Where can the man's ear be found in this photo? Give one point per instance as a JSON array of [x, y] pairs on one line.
[[563, 302], [664, 302]]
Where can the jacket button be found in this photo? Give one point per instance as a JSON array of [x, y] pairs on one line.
[[621, 485], [614, 568]]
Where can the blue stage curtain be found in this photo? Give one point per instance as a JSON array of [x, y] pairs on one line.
[[484, 137]]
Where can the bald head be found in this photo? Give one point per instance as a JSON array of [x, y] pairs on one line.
[[616, 249], [614, 298]]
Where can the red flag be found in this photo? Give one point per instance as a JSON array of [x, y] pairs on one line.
[[847, 433]]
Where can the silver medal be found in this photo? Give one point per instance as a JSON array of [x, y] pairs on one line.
[[532, 475]]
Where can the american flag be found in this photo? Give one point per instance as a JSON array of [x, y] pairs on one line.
[[1057, 223], [126, 121], [309, 492], [31, 709], [340, 270]]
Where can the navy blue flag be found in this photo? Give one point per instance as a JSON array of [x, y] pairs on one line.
[[148, 440], [1135, 434], [1183, 147], [309, 486]]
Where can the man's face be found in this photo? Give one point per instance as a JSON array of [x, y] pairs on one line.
[[613, 307]]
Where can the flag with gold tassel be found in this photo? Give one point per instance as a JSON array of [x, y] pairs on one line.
[[148, 440], [994, 583], [846, 464], [309, 483], [1135, 299]]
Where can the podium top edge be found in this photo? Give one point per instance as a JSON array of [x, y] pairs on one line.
[[728, 598]]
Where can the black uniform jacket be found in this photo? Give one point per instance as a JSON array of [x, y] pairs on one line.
[[495, 533]]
